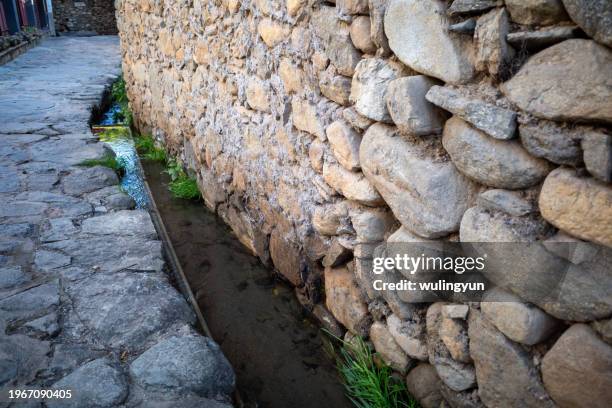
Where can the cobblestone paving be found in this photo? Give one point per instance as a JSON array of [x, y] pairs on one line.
[[85, 304]]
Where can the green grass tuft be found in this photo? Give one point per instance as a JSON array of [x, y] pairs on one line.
[[113, 133], [109, 160], [367, 384], [157, 154], [119, 95], [145, 146], [185, 188], [182, 186]]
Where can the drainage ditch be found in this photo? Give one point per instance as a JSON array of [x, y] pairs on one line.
[[278, 354]]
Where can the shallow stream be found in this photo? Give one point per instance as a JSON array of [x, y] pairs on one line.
[[119, 138], [276, 351]]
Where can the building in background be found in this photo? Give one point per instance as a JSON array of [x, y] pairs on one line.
[[81, 17], [84, 16], [19, 15]]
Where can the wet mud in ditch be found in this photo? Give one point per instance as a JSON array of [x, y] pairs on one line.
[[277, 353]]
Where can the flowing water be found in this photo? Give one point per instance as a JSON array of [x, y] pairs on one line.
[[276, 351], [119, 138]]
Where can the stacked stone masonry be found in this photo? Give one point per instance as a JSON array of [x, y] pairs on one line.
[[91, 16], [319, 130]]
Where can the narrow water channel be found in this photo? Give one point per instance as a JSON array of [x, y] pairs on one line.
[[132, 180], [277, 353]]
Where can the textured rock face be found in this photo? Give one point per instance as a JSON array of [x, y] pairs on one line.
[[495, 163], [455, 311], [471, 6], [344, 143], [430, 196], [285, 255], [285, 114], [583, 291], [377, 32], [604, 329], [335, 35], [552, 141], [453, 334], [361, 34], [344, 299], [492, 51], [597, 148], [594, 17], [546, 85], [388, 348], [257, 96], [497, 122], [519, 322], [540, 12], [586, 214], [272, 33], [413, 26], [410, 336], [88, 180], [305, 117], [424, 384], [335, 87], [369, 87], [331, 220], [506, 375], [12, 276], [371, 224], [578, 369], [409, 110], [200, 368], [352, 6], [351, 185], [127, 223], [133, 322], [337, 255], [455, 375], [99, 384], [545, 37], [506, 201]]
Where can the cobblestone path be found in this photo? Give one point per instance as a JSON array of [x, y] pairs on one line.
[[85, 304]]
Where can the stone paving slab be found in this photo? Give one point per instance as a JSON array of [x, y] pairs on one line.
[[85, 303]]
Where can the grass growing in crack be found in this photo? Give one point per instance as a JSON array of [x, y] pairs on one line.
[[185, 188], [182, 186], [145, 146], [119, 95], [368, 384], [108, 160]]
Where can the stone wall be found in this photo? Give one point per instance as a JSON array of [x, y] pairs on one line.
[[12, 46], [95, 16], [319, 130]]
